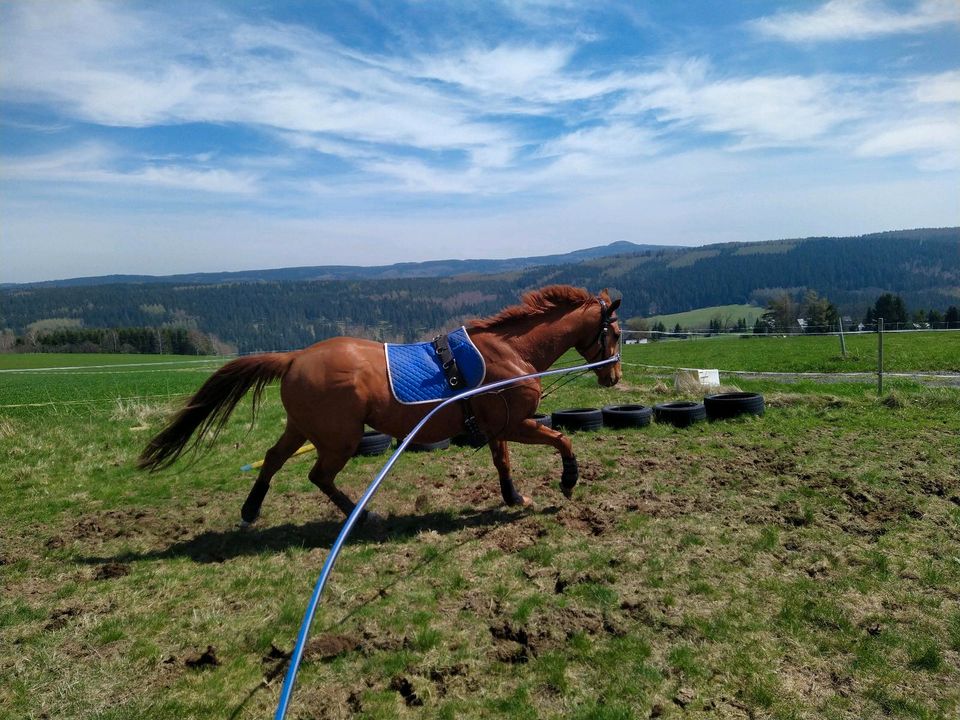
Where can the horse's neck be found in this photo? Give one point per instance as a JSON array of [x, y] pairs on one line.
[[545, 342]]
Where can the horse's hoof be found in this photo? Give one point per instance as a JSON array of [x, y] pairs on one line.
[[567, 492], [526, 502], [245, 524]]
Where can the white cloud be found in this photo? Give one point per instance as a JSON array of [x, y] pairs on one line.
[[96, 163], [761, 111], [856, 20], [935, 142], [941, 88]]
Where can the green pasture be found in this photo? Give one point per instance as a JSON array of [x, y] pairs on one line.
[[805, 564], [902, 352], [700, 318]]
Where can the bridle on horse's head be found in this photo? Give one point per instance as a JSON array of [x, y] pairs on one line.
[[607, 318]]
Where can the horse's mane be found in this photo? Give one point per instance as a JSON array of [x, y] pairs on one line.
[[536, 303]]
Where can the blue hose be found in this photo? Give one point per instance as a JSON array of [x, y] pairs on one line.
[[297, 655]]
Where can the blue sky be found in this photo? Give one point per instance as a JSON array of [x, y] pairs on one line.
[[195, 136]]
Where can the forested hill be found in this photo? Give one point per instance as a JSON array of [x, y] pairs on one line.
[[923, 266], [432, 268]]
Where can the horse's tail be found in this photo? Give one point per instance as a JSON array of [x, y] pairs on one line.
[[211, 405]]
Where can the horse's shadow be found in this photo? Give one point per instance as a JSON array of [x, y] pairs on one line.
[[215, 546]]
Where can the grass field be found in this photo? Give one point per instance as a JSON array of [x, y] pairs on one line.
[[903, 352], [805, 564], [700, 318]]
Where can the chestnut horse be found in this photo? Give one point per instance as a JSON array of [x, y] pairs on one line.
[[330, 390]]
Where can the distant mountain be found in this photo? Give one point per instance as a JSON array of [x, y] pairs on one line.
[[431, 268], [255, 312], [922, 265]]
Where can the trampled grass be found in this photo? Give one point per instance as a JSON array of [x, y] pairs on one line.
[[805, 564]]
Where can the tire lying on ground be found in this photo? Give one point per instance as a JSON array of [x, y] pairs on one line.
[[728, 405], [582, 419], [624, 416], [428, 447], [542, 419], [373, 443], [679, 414]]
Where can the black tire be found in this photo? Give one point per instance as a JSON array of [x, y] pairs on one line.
[[428, 447], [582, 419], [373, 443], [624, 416], [679, 414], [728, 405], [543, 419], [460, 440]]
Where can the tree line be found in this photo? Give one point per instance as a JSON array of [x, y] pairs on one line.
[[924, 267], [136, 340]]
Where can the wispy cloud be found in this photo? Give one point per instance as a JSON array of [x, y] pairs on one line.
[[96, 163], [488, 108], [856, 20]]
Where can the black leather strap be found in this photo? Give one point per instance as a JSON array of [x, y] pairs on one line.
[[449, 364]]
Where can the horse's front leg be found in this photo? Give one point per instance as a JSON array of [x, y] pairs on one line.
[[501, 460], [531, 432]]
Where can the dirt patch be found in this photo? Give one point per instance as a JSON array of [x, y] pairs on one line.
[[403, 686], [206, 659], [329, 646], [441, 677], [517, 644], [60, 618], [586, 520], [515, 536], [111, 570]]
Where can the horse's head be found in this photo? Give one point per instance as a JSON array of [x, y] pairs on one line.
[[601, 340]]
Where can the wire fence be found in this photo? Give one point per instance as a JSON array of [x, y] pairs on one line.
[[805, 331], [630, 337]]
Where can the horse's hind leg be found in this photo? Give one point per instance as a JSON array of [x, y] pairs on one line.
[[287, 445], [501, 460], [330, 461]]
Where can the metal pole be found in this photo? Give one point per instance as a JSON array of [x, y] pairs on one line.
[[843, 344], [297, 655], [879, 356]]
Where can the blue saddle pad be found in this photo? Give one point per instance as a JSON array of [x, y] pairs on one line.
[[416, 375]]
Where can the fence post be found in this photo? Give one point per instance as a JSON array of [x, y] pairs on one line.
[[879, 356], [843, 344]]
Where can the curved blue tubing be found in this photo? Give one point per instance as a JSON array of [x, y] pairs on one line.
[[297, 655]]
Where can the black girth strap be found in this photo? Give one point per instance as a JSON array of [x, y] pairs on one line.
[[441, 344], [449, 364]]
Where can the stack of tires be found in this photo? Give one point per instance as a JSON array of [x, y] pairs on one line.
[[681, 413], [714, 407]]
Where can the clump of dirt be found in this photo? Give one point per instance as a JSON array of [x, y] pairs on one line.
[[274, 654], [55, 543], [515, 536], [586, 520], [111, 570], [87, 527], [328, 646], [516, 644], [403, 686], [440, 676], [60, 618], [893, 401], [208, 658]]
